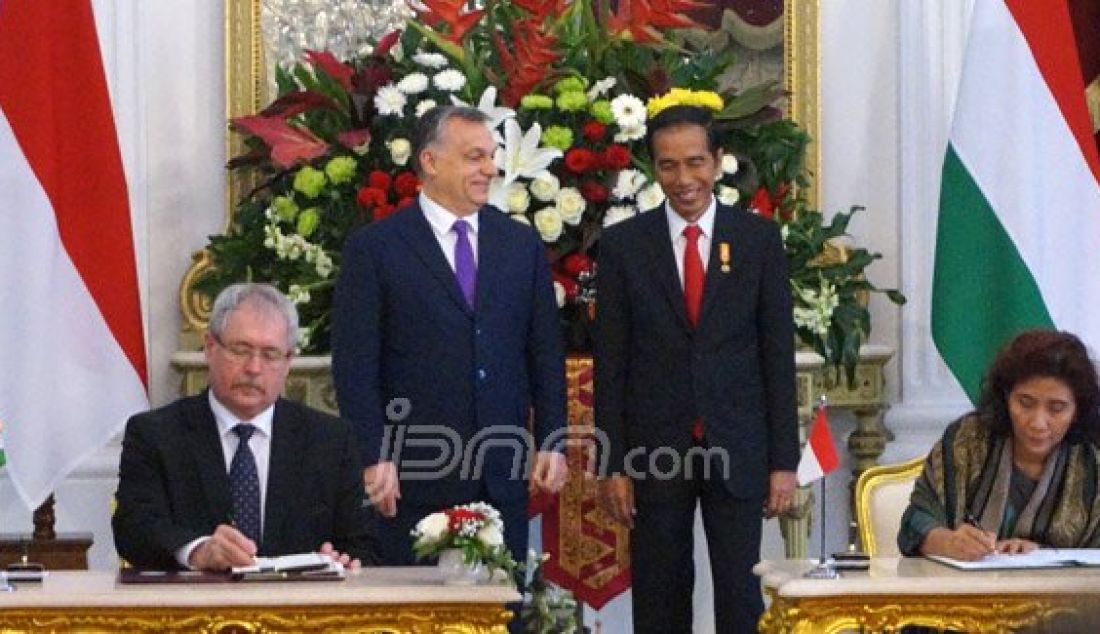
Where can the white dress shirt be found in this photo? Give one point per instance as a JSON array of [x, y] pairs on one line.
[[676, 225], [259, 443], [442, 222]]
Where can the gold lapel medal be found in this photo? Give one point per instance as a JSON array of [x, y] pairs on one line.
[[724, 256]]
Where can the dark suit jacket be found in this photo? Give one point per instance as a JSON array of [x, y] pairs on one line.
[[402, 330], [655, 375], [173, 486]]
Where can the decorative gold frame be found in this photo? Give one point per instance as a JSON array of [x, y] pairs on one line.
[[246, 93]]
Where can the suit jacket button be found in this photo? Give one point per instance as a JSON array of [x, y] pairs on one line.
[[481, 374]]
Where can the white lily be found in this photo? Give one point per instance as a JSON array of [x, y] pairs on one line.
[[488, 105], [521, 154]]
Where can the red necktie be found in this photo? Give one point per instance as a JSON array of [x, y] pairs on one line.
[[693, 295], [693, 274]]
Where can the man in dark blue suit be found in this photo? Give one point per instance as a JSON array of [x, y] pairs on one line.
[[445, 336], [694, 382]]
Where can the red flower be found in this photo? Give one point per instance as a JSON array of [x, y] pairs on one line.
[[455, 518], [569, 284], [406, 184], [378, 180], [381, 212], [331, 66], [405, 202], [386, 43], [594, 192], [575, 264], [594, 131], [579, 160], [616, 157], [371, 197], [766, 204]]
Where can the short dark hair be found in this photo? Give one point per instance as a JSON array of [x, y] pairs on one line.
[[430, 127], [675, 116], [1042, 353]]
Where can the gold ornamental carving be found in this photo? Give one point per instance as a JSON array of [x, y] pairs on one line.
[[963, 613], [366, 619]]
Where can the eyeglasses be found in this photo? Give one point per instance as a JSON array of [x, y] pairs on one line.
[[242, 353]]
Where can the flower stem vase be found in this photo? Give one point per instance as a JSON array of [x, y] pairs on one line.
[[454, 570]]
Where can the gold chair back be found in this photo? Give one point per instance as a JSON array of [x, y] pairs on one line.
[[881, 496]]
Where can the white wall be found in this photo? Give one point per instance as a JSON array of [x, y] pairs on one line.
[[888, 74]]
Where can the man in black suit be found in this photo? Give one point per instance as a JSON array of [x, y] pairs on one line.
[[445, 337], [210, 481], [694, 382]]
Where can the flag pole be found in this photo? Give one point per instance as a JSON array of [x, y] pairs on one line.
[[824, 568]]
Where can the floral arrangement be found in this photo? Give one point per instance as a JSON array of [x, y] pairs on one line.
[[568, 88], [547, 609], [476, 529]]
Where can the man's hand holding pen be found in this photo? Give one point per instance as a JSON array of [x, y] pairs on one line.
[[226, 548]]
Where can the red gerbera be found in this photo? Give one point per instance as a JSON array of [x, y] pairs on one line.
[[369, 197], [379, 180], [579, 160], [406, 184], [594, 131], [616, 157], [594, 192]]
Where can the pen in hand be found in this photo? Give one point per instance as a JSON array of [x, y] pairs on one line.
[[973, 521]]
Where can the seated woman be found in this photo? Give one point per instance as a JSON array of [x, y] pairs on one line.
[[1022, 471]]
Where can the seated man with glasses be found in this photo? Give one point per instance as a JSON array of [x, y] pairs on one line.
[[210, 481]]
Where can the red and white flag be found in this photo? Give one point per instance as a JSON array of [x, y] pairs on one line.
[[819, 456], [72, 348]]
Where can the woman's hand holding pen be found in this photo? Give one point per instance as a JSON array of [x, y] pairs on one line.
[[968, 542]]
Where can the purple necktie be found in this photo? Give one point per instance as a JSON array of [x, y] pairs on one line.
[[465, 266]]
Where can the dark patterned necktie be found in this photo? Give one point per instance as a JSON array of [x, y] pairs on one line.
[[244, 485]]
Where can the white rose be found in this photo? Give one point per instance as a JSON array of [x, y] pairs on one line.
[[400, 150], [729, 164], [518, 200], [433, 527], [490, 535], [728, 195], [549, 224], [571, 205], [650, 197], [559, 293], [545, 187], [618, 213]]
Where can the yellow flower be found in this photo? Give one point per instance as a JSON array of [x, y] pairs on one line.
[[684, 97]]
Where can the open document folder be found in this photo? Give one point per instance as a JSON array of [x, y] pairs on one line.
[[1040, 558], [301, 567]]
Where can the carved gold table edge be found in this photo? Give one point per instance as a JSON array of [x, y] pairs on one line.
[[457, 618], [966, 613]]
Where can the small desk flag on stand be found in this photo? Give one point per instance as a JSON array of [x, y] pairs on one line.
[[819, 456]]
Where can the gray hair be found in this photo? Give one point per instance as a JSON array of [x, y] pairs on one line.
[[263, 296], [430, 127]]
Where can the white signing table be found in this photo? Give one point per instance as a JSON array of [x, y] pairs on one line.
[[916, 591], [375, 600]]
